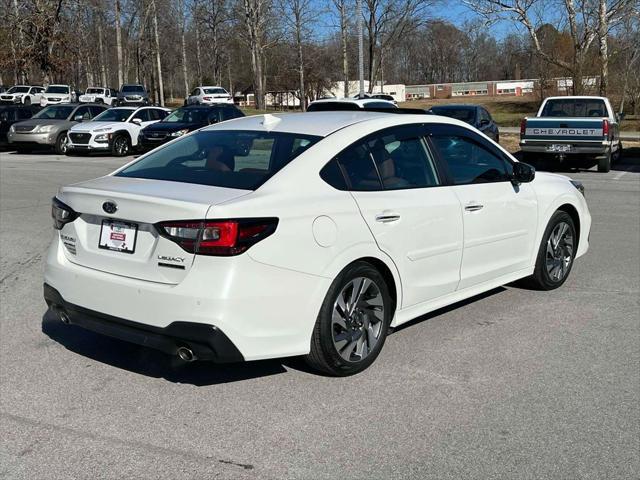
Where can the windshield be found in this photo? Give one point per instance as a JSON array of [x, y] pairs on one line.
[[226, 158], [189, 115], [572, 107], [56, 89], [114, 115], [213, 91], [58, 112], [133, 88], [18, 90], [98, 91], [465, 114]]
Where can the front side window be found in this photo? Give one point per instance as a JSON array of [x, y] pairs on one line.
[[58, 112], [114, 115], [470, 162], [82, 112], [229, 158]]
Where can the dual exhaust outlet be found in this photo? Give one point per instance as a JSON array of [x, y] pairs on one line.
[[184, 353]]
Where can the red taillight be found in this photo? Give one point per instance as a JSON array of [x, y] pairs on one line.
[[523, 126], [206, 98], [605, 128], [218, 237]]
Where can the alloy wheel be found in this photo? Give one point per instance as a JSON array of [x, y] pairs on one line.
[[121, 146], [559, 254], [357, 319]]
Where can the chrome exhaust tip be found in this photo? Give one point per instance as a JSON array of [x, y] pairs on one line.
[[186, 354]]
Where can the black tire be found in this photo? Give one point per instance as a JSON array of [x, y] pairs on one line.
[[604, 163], [120, 146], [61, 144], [542, 278], [27, 101], [619, 154], [324, 355], [99, 101]]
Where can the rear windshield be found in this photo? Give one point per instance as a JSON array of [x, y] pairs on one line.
[[56, 89], [214, 91], [224, 158], [465, 114], [59, 112], [114, 115], [575, 108]]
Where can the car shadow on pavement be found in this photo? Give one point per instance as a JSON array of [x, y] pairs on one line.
[[629, 162], [449, 308], [152, 363]]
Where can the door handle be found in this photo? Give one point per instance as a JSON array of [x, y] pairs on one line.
[[473, 207], [387, 217]]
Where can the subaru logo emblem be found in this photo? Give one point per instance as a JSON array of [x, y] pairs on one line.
[[110, 207]]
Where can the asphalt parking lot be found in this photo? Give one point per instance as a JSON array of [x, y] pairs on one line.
[[512, 384]]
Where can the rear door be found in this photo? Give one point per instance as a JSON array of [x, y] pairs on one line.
[[414, 217], [500, 218]]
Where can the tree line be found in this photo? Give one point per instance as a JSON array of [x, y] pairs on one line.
[[307, 46]]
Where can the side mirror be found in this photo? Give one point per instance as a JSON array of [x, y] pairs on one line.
[[620, 116], [213, 120], [484, 122], [137, 121], [523, 173], [77, 118]]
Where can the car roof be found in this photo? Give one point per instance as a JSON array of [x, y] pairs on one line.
[[457, 105], [357, 101], [323, 124], [210, 86], [576, 97]]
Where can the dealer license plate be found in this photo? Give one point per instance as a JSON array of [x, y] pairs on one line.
[[118, 236]]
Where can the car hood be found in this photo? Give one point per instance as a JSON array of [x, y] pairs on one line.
[[173, 126], [91, 126], [42, 121]]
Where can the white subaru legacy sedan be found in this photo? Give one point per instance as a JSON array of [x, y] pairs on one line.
[[305, 234]]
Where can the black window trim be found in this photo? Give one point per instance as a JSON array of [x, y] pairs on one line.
[[442, 173]]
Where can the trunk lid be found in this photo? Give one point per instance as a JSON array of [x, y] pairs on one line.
[[140, 204], [564, 129]]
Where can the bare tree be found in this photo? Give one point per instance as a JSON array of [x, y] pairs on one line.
[[183, 43], [157, 48], [386, 22], [256, 18], [117, 13], [579, 16], [341, 6]]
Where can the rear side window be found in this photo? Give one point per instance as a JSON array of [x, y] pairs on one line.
[[358, 169], [469, 162], [402, 160], [229, 158]]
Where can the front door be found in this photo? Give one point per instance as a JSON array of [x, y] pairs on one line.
[[500, 217]]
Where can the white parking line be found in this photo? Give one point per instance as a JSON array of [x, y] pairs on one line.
[[620, 175]]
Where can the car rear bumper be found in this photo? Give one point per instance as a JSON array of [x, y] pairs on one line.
[[265, 311], [205, 341], [577, 148]]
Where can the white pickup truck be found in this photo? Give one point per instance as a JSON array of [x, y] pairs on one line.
[[565, 127]]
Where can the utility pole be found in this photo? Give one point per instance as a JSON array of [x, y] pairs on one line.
[[360, 48]]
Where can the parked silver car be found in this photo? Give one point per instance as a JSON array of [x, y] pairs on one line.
[[48, 128]]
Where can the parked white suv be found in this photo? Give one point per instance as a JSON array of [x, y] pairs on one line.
[[208, 95], [116, 130], [23, 94], [55, 94], [98, 95]]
